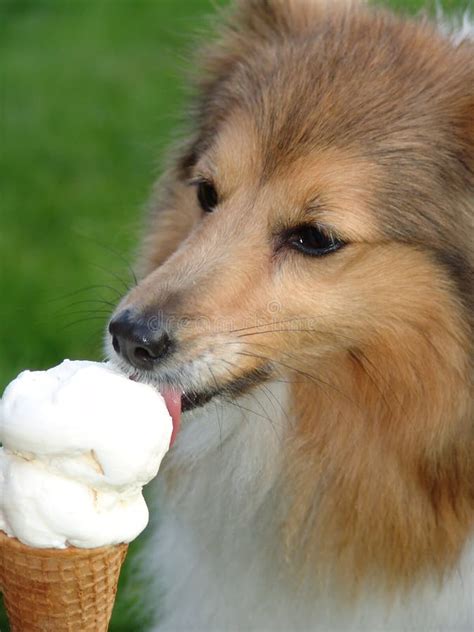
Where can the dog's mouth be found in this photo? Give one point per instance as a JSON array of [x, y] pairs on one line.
[[179, 401], [191, 400]]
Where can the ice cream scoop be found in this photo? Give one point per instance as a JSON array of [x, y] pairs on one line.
[[79, 443]]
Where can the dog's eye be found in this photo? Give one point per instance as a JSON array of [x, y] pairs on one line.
[[207, 196], [312, 240]]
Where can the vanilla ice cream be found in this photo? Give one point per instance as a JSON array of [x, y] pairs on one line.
[[79, 443]]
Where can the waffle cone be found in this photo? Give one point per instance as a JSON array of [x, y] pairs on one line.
[[59, 590]]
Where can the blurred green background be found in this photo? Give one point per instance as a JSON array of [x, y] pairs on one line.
[[91, 93]]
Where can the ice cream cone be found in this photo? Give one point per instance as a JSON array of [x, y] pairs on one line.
[[59, 590]]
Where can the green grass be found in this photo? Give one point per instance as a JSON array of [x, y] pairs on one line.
[[90, 95]]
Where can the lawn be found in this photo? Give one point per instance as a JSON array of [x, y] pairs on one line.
[[91, 93]]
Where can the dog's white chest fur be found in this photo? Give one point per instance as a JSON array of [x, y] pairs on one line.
[[213, 553]]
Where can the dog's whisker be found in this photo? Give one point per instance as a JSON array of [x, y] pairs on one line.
[[310, 377], [266, 324], [275, 402], [91, 301], [262, 385], [114, 252], [219, 422], [361, 366], [88, 288], [352, 352], [234, 402], [78, 312], [113, 274], [298, 330], [83, 320]]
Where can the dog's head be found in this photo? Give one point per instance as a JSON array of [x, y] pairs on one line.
[[323, 203], [316, 226]]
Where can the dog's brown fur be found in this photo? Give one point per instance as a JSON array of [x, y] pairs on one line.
[[363, 122]]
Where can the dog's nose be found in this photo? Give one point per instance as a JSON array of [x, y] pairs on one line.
[[140, 341]]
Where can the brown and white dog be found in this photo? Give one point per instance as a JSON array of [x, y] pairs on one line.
[[307, 301]]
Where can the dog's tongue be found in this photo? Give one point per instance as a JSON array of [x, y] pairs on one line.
[[172, 399]]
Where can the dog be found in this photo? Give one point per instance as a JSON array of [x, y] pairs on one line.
[[305, 306]]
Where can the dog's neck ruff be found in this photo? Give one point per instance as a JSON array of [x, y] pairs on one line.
[[215, 550]]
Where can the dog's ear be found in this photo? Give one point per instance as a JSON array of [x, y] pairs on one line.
[[253, 22], [262, 16], [466, 121], [265, 19], [246, 28]]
